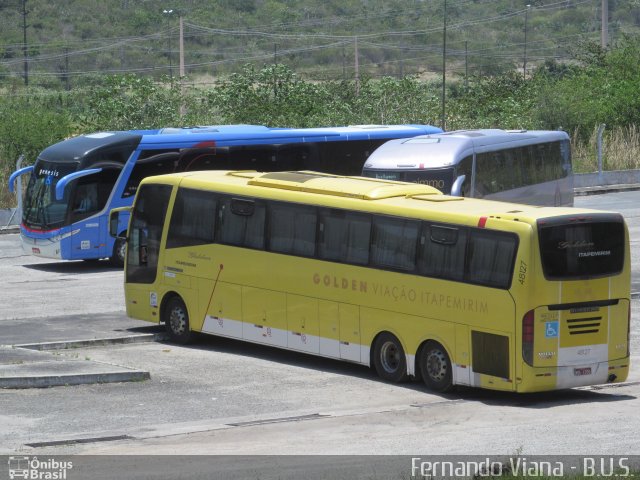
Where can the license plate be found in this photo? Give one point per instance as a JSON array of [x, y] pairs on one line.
[[582, 371], [35, 250]]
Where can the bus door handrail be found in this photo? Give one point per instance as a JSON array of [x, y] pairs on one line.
[[64, 181], [17, 174]]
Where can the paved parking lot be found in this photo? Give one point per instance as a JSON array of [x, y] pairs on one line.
[[221, 396]]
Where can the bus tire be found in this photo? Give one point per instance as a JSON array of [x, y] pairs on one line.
[[176, 321], [389, 359], [435, 367], [119, 253]]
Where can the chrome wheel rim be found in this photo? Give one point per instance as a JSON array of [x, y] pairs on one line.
[[178, 320], [436, 365], [121, 252], [390, 357]]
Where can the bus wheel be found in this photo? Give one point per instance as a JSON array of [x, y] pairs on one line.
[[435, 367], [119, 252], [389, 359], [176, 320]]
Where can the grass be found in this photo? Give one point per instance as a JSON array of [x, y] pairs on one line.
[[620, 150]]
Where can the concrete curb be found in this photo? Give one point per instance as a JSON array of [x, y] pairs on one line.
[[98, 342], [36, 366], [15, 229], [583, 191], [45, 381]]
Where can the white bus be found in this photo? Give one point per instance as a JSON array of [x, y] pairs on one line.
[[531, 167]]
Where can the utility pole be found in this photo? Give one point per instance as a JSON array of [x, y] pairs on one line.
[[181, 48], [466, 64], [168, 14], [66, 69], [444, 66], [24, 42], [357, 67], [183, 108], [344, 64], [604, 40], [524, 64]]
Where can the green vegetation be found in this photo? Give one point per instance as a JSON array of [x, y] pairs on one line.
[[591, 87]]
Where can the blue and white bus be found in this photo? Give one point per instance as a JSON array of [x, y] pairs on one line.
[[531, 167], [75, 183]]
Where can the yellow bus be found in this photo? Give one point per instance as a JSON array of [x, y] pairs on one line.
[[393, 275]]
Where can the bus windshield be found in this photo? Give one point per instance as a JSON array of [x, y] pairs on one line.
[[41, 209], [440, 178]]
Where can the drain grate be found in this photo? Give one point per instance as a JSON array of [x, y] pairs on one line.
[[266, 421], [75, 441], [609, 385]]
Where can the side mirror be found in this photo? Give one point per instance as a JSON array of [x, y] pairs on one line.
[[114, 221]]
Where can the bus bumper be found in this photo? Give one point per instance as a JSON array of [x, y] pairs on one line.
[[42, 247], [558, 378]]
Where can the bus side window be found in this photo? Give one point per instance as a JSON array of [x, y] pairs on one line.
[[295, 156], [483, 174], [292, 229], [345, 158], [241, 223], [92, 193], [261, 158], [344, 236], [442, 251], [490, 258], [150, 162], [394, 242], [465, 168], [193, 218]]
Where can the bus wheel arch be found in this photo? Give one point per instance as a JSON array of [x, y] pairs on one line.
[[433, 363], [174, 314], [388, 357]]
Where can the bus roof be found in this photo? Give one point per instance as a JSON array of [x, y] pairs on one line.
[[74, 149], [255, 135], [361, 193], [447, 149]]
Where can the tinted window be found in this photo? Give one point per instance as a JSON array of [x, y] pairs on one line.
[[292, 229], [344, 236], [581, 250], [516, 167], [345, 158], [442, 252], [147, 222], [92, 192], [151, 162], [242, 222], [465, 167], [490, 257], [394, 243], [193, 219]]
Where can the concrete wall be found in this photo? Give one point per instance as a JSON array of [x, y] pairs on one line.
[[612, 177]]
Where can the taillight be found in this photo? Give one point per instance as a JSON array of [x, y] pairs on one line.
[[528, 337]]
